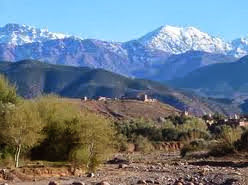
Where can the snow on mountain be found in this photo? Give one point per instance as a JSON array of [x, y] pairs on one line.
[[169, 39], [160, 55], [179, 40], [16, 34], [115, 47], [240, 47]]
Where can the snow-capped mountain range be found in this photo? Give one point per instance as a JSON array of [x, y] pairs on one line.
[[139, 58], [174, 40], [16, 34]]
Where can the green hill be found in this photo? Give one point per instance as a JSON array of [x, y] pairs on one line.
[[34, 78], [220, 80]]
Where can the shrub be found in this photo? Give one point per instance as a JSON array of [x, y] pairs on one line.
[[6, 159], [194, 134], [143, 145], [222, 149], [7, 92], [193, 146], [193, 123], [218, 117], [230, 135], [177, 120], [79, 156], [84, 156], [170, 134], [168, 124], [139, 127], [242, 143], [121, 143]]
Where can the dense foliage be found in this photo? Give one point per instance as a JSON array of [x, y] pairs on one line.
[[172, 129], [52, 128]]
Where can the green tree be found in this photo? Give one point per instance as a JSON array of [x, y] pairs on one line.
[[7, 92], [193, 123], [218, 117], [72, 133], [168, 124], [60, 119], [96, 138], [20, 126], [230, 135], [242, 143]]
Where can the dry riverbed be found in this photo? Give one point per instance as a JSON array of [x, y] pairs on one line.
[[157, 169]]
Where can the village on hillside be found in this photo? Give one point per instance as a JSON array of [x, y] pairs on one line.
[[140, 97], [210, 119]]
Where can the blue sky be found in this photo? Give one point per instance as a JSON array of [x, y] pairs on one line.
[[122, 20]]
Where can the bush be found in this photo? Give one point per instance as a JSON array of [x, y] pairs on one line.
[[222, 149], [218, 117], [229, 135], [6, 159], [139, 127], [168, 124], [177, 120], [193, 146], [121, 143], [143, 145], [194, 134], [242, 143], [193, 123], [170, 134], [7, 92], [86, 157], [80, 156]]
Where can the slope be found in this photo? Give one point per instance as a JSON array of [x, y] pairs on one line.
[[34, 78], [223, 80], [128, 109]]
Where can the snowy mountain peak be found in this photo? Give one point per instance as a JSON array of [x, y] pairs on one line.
[[178, 40], [240, 47], [16, 34], [244, 40], [178, 30]]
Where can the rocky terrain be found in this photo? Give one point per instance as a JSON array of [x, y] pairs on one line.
[[156, 168]]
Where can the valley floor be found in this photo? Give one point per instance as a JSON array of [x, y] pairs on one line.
[[162, 168]]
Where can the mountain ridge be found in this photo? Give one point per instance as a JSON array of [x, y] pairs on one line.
[[133, 58], [171, 39], [34, 78], [226, 80], [15, 34]]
